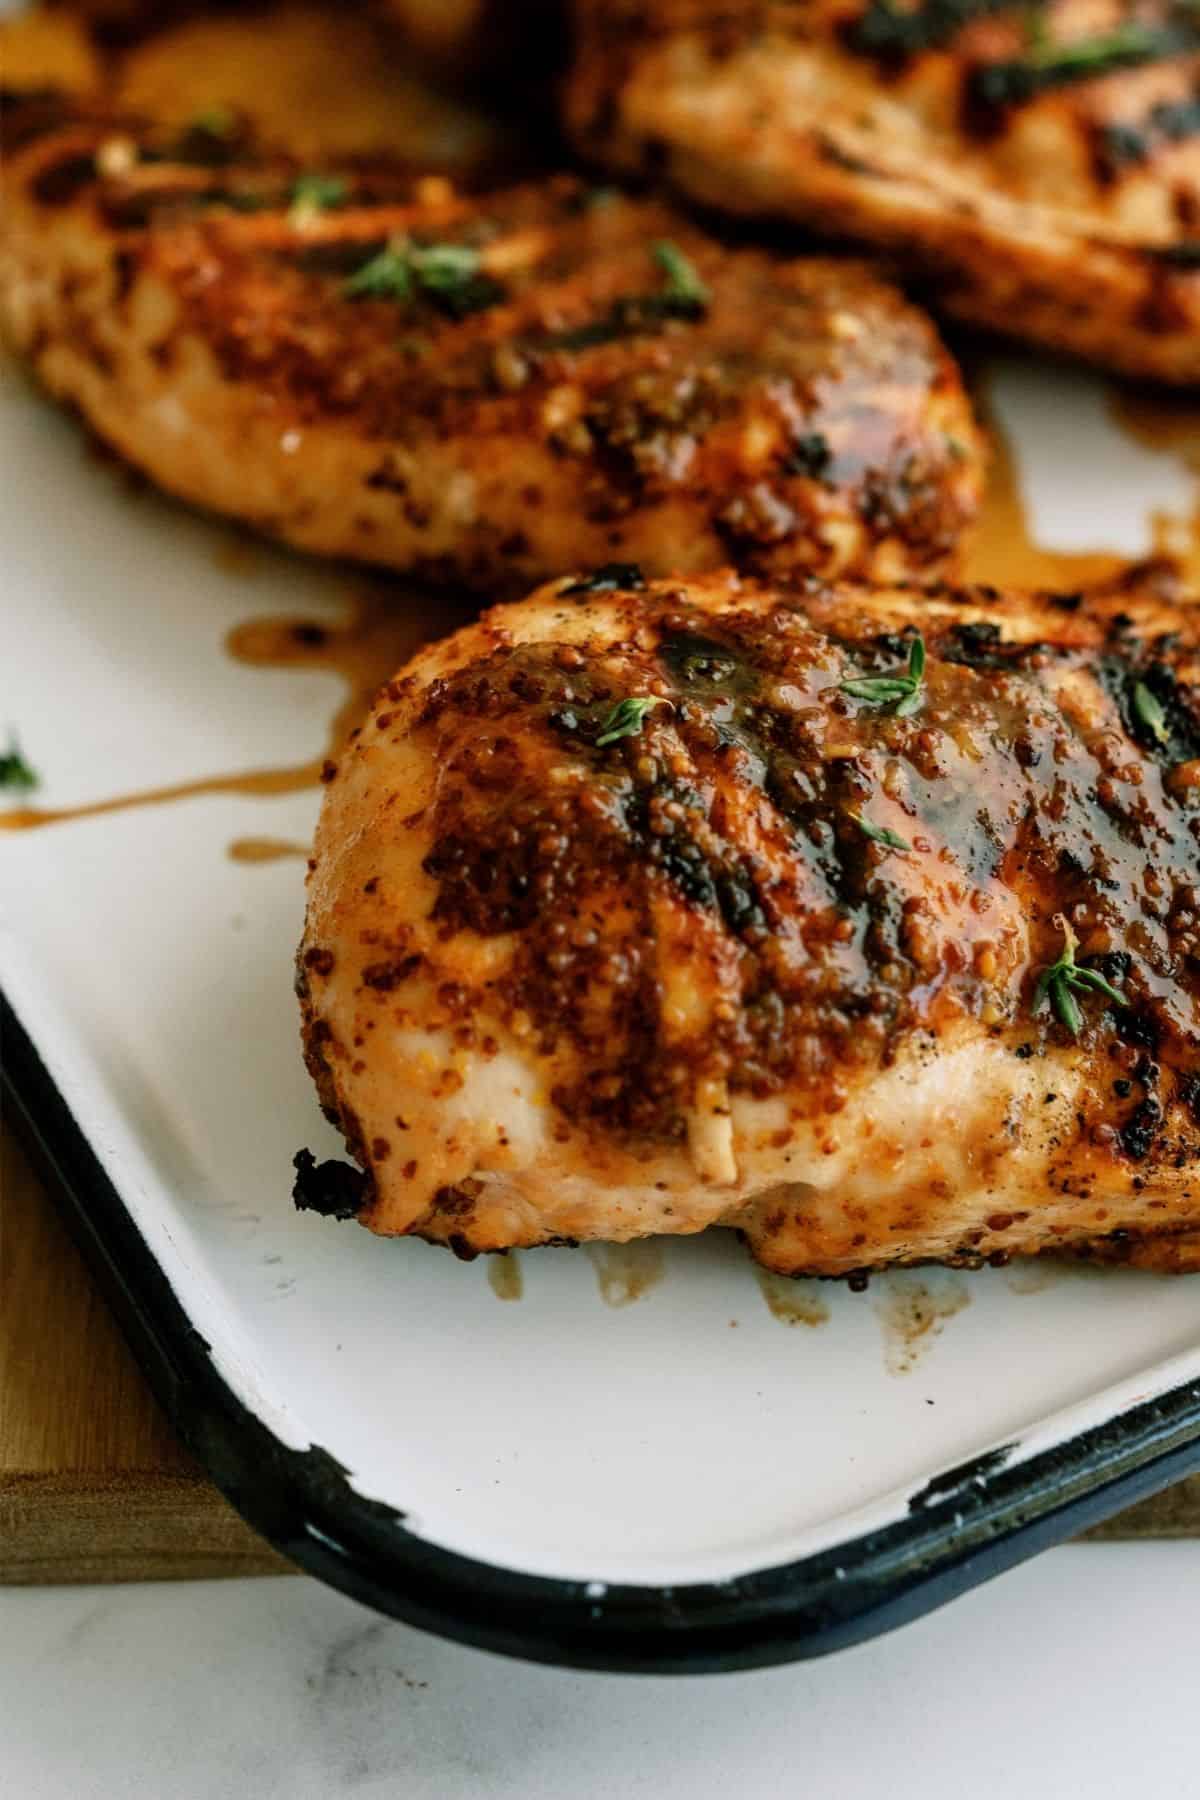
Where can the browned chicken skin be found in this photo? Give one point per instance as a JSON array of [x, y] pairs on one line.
[[703, 902], [489, 389], [1038, 164]]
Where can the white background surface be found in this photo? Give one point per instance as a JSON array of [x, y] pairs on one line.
[[1075, 1675]]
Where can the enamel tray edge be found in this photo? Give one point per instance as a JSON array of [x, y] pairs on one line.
[[966, 1525]]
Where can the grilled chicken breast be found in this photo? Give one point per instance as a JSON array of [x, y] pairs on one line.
[[40, 49], [1038, 164], [300, 78], [317, 81], [865, 921], [483, 389]]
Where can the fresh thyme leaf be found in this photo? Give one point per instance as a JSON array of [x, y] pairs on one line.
[[627, 717], [214, 121], [387, 276], [683, 287], [1060, 981], [901, 691], [317, 193], [682, 296], [610, 578], [443, 267], [1036, 29], [1130, 42], [1066, 1006], [451, 275], [877, 688], [879, 834], [241, 200], [891, 32], [15, 772], [809, 455], [1094, 979], [1056, 64], [1148, 712]]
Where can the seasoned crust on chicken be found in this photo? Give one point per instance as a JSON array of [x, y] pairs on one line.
[[701, 902], [519, 381], [1039, 165]]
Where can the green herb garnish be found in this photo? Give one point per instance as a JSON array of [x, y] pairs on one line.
[[214, 121], [627, 717], [1184, 255], [809, 455], [1062, 980], [901, 692], [892, 32], [317, 193], [1148, 711], [879, 834], [1037, 34], [1056, 64], [682, 296], [451, 275], [609, 578], [683, 288], [15, 772]]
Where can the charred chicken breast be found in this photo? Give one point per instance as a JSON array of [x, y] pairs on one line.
[[1038, 164], [864, 921], [476, 388]]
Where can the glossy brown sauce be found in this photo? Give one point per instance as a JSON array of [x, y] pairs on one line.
[[912, 1306], [504, 1276], [1033, 1275], [381, 630], [792, 1301], [1002, 549], [626, 1272], [264, 849], [1169, 424]]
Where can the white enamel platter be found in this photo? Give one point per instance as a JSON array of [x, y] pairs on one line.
[[682, 1482]]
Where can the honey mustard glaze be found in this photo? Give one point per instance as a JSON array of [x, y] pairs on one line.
[[264, 849], [504, 1276], [379, 632], [912, 1306], [792, 1301], [1002, 549], [1169, 424]]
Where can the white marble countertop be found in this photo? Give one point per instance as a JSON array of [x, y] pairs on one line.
[[1076, 1675]]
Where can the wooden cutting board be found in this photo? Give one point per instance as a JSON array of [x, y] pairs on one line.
[[94, 1486]]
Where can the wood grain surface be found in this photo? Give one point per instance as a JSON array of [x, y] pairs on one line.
[[93, 1484]]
